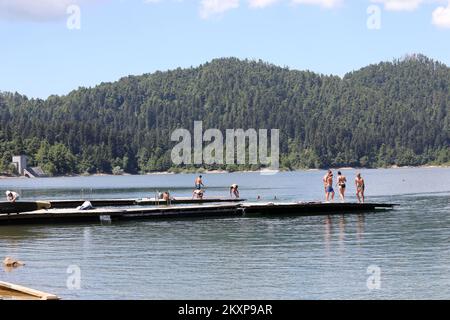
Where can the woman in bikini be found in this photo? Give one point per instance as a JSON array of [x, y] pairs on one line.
[[341, 180]]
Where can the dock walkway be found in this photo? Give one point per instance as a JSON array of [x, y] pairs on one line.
[[63, 204], [189, 211]]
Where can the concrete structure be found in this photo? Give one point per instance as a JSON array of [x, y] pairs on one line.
[[34, 172], [20, 162]]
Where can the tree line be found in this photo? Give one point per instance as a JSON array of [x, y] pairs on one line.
[[391, 113]]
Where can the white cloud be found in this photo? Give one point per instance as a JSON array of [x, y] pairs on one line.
[[260, 3], [210, 8], [323, 3], [37, 10], [441, 16], [400, 5]]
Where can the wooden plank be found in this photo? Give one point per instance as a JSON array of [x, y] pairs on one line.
[[21, 290]]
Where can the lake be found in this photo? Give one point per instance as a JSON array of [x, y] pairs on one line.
[[241, 258]]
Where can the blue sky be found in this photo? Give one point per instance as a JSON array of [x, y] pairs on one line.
[[40, 55]]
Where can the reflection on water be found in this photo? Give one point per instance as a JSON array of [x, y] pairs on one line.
[[328, 231], [317, 257], [360, 226], [10, 268], [341, 229], [340, 222], [12, 234]]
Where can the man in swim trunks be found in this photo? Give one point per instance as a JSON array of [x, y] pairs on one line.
[[329, 187], [234, 190], [199, 183], [325, 183], [360, 186], [341, 180]]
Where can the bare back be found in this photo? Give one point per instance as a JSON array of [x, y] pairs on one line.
[[359, 183], [329, 181]]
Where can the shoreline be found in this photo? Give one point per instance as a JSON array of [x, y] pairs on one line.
[[239, 171]]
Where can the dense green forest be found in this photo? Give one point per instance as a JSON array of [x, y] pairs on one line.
[[392, 113]]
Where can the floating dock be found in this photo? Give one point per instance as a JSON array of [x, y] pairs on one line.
[[11, 291], [193, 211], [65, 204], [190, 211], [311, 208], [23, 206]]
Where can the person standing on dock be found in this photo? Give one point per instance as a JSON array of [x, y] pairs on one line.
[[329, 187], [234, 191], [199, 183], [341, 180], [360, 186], [12, 196], [325, 183]]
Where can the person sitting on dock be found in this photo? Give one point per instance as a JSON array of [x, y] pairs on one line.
[[166, 196], [360, 186], [199, 183], [12, 196], [341, 180], [329, 187], [234, 191], [87, 205], [197, 194]]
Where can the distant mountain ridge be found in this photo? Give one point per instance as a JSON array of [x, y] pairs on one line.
[[391, 113]]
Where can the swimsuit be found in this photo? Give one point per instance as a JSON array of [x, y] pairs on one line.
[[341, 183], [198, 186], [330, 189]]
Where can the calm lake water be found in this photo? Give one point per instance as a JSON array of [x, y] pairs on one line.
[[242, 258]]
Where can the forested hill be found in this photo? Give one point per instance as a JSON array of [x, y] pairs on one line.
[[385, 114]]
